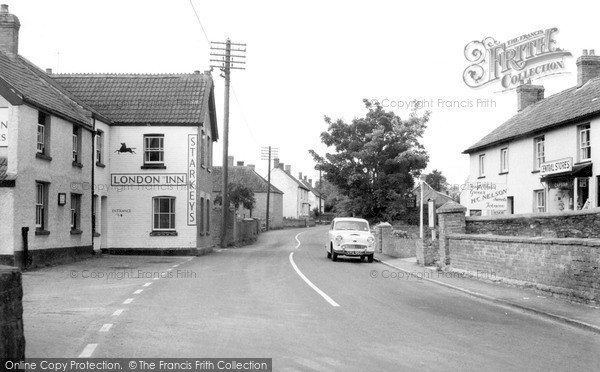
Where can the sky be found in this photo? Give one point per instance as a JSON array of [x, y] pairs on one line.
[[311, 59]]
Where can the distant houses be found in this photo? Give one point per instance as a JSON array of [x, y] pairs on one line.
[[247, 176], [296, 203]]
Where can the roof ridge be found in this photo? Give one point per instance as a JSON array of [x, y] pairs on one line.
[[126, 74]]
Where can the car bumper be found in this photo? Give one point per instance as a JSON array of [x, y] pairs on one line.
[[353, 251]]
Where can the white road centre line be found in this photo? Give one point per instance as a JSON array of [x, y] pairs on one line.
[[156, 278], [118, 312], [175, 265], [88, 350], [106, 327], [138, 291], [128, 301], [298, 240], [310, 284], [169, 269], [147, 284]]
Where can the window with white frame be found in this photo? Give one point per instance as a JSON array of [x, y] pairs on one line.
[[482, 165], [99, 147], [585, 146], [76, 144], [43, 134], [539, 152], [41, 205], [203, 149], [75, 211], [154, 148], [163, 211], [539, 197], [504, 160]]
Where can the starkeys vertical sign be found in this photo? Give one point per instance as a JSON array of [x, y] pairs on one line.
[[511, 63], [191, 187], [3, 126]]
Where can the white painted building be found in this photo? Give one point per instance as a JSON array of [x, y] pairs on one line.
[[295, 194], [542, 159], [113, 162]]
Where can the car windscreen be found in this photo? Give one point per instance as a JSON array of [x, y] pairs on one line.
[[352, 225]]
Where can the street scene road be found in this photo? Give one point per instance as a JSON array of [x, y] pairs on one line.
[[251, 302]]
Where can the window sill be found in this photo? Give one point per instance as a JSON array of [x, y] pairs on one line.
[[98, 164], [535, 171], [209, 170], [503, 173], [43, 156], [42, 232], [480, 177], [587, 161], [163, 233], [153, 166], [96, 235], [78, 165], [76, 232]]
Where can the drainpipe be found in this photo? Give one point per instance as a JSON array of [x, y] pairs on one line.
[[93, 219], [24, 234]]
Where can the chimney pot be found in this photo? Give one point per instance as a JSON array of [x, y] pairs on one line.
[[240, 163], [588, 67], [252, 166], [300, 176], [281, 166], [528, 94], [197, 72], [310, 181], [230, 161], [49, 71], [276, 163], [288, 169], [9, 32]]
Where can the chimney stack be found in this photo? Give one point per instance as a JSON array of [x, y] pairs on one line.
[[230, 161], [288, 169], [310, 182], [588, 67], [49, 71], [276, 163], [252, 166], [528, 94], [300, 176], [9, 32], [240, 163]]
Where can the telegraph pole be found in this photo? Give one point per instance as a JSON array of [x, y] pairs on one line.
[[265, 153], [225, 61]]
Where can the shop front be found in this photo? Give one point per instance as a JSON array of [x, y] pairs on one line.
[[568, 185]]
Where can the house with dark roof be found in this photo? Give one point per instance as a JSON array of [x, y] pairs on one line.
[[314, 197], [246, 175], [295, 193], [542, 159], [115, 162]]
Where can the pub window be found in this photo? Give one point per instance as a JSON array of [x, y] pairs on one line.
[[154, 148], [482, 165], [99, 147], [43, 134], [75, 211], [94, 210], [209, 152], [41, 205], [203, 150], [201, 215], [76, 145], [585, 146], [504, 160], [163, 211], [208, 216], [539, 197], [539, 152]]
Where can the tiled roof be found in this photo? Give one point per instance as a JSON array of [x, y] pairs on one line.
[[143, 99], [568, 106], [310, 187], [33, 86], [3, 168], [242, 175], [301, 184]]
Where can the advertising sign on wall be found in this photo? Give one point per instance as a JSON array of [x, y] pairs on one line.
[[488, 196]]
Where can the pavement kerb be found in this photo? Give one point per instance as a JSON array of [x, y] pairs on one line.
[[509, 304]]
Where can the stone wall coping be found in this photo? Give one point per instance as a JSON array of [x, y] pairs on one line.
[[383, 224], [533, 215], [7, 269], [526, 239], [451, 207]]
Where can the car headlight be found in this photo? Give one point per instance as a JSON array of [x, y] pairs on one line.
[[370, 240], [339, 239]]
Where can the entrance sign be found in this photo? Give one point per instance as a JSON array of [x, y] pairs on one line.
[[556, 166]]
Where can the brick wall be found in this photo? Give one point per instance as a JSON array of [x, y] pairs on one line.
[[571, 224], [565, 267], [12, 341], [239, 232], [293, 222], [387, 243]]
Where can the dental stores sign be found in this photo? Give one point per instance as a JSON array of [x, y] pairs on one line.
[[514, 62]]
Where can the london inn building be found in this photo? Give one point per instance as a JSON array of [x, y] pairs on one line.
[[118, 163], [543, 159]]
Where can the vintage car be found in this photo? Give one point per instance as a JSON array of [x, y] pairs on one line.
[[350, 237]]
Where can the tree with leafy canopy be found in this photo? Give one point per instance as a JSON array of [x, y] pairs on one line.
[[437, 181], [376, 160], [239, 195]]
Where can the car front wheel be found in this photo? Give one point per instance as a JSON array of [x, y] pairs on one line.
[[334, 255], [370, 258], [328, 254]]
